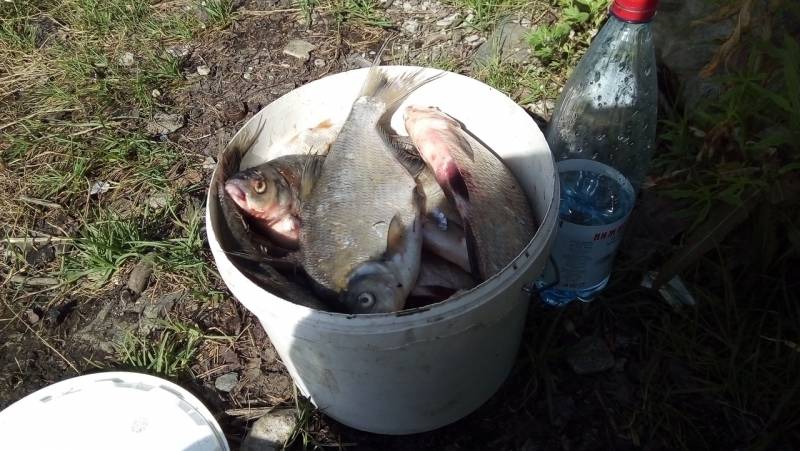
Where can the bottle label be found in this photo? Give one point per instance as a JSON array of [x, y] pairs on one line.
[[584, 254]]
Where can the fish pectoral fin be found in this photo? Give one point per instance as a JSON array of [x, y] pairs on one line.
[[396, 237], [403, 150], [309, 175]]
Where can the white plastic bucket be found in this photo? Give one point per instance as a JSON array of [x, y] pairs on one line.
[[417, 370], [115, 410]]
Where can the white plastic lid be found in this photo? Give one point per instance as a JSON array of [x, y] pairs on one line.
[[111, 411]]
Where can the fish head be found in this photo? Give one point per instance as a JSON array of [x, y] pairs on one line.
[[374, 288], [261, 192], [417, 117]]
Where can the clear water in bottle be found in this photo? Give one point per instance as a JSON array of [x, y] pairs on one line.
[[596, 201], [588, 198]]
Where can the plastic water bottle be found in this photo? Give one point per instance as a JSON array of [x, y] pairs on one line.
[[602, 135]]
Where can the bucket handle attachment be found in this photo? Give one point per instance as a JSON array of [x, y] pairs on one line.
[[542, 283]]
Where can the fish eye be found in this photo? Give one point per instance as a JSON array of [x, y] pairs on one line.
[[259, 186], [365, 299]]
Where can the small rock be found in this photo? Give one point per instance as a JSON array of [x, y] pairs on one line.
[[164, 123], [152, 310], [178, 51], [407, 7], [299, 49], [525, 23], [203, 70], [226, 382], [435, 39], [473, 38], [453, 20], [158, 201], [155, 93], [590, 355], [319, 62], [509, 42], [470, 17], [411, 26], [539, 108], [31, 316], [209, 163], [271, 431], [137, 280], [99, 187], [356, 60], [126, 59]]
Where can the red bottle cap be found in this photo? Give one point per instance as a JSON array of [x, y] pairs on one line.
[[636, 11]]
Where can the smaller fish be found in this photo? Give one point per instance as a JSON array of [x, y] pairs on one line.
[[497, 219], [438, 280], [271, 194], [382, 285], [257, 258]]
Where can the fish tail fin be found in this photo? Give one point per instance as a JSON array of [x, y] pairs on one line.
[[391, 91]]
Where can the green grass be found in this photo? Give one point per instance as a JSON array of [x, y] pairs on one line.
[[487, 13], [552, 43], [359, 13], [220, 12], [557, 46], [170, 353]]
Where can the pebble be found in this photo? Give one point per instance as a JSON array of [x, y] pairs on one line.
[[590, 355], [471, 39], [299, 49], [452, 20], [356, 60], [164, 123], [470, 17], [99, 187], [319, 62], [543, 109], [226, 382], [509, 42], [411, 26], [203, 70], [525, 23], [126, 59], [158, 201], [209, 163], [435, 39], [31, 316], [271, 431], [155, 93], [178, 51]]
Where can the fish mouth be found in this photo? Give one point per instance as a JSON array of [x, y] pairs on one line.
[[236, 193]]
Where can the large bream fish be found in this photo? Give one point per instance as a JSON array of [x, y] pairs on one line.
[[362, 233]]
